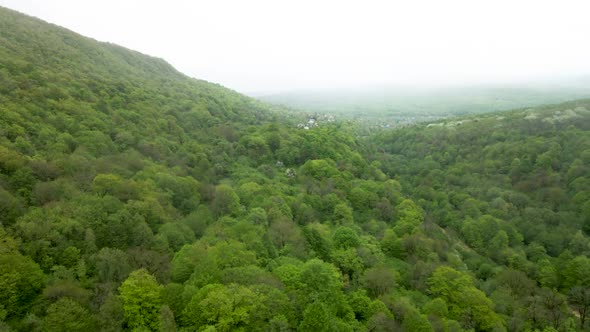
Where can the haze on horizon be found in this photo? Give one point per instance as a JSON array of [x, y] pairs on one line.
[[264, 47]]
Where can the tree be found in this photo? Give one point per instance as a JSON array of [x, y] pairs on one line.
[[225, 201], [577, 272], [273, 140], [283, 232], [361, 199], [141, 298], [409, 217], [391, 245], [466, 303], [275, 305], [167, 323], [436, 307], [185, 260], [315, 318], [360, 304], [8, 245], [177, 234], [448, 282], [112, 265], [317, 242], [66, 288], [342, 214], [224, 307], [555, 306], [173, 296], [579, 298], [319, 169], [319, 277], [378, 280], [345, 237], [10, 160], [497, 245], [111, 315], [67, 315], [535, 311], [184, 191], [384, 209], [21, 280], [10, 207], [548, 276], [348, 261], [414, 321]]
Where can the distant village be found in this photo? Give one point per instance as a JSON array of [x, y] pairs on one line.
[[315, 120], [383, 122]]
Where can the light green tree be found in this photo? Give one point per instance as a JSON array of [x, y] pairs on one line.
[[67, 315], [225, 201], [466, 303], [141, 297], [227, 308], [315, 318], [21, 280], [409, 217]]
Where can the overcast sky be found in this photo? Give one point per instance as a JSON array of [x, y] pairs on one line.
[[259, 46]]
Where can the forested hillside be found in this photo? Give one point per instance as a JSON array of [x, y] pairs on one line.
[[135, 198], [515, 187]]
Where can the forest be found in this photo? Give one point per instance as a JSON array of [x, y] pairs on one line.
[[135, 198]]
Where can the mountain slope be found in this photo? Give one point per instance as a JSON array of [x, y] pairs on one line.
[[508, 164], [53, 76], [113, 162], [515, 187]]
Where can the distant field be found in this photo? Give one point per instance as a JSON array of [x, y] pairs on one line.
[[402, 104]]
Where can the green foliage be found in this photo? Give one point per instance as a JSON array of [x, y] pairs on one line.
[[319, 169], [112, 265], [391, 244], [177, 235], [227, 308], [379, 280], [436, 307], [315, 318], [21, 280], [579, 299], [345, 237], [343, 214], [225, 201], [466, 302], [67, 315], [235, 219], [318, 277], [185, 260], [167, 323], [111, 315], [317, 242], [141, 298], [409, 217], [414, 321]]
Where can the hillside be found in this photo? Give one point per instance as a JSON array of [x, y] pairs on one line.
[[515, 187], [133, 197], [533, 158]]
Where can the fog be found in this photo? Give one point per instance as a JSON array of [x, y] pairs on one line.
[[262, 47]]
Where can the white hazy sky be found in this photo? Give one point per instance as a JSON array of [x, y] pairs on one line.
[[260, 46]]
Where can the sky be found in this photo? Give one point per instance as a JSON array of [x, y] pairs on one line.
[[273, 46]]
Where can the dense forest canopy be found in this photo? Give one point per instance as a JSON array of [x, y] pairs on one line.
[[133, 197]]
